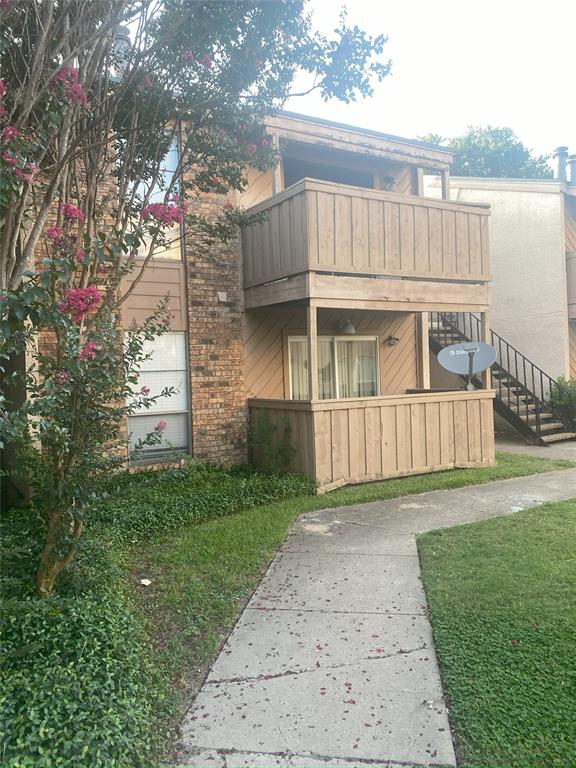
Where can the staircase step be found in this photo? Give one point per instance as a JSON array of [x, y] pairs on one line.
[[558, 436], [533, 418], [551, 425]]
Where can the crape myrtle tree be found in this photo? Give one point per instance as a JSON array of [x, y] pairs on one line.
[[92, 96]]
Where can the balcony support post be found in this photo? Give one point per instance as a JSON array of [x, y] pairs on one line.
[[422, 323], [418, 181], [278, 170], [312, 336], [486, 337], [445, 185]]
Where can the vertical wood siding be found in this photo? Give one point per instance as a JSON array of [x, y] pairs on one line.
[[322, 226], [354, 441]]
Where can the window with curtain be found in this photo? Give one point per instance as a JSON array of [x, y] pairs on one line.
[[166, 177], [165, 368], [347, 367]]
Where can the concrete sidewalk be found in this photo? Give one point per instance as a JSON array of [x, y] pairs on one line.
[[332, 662]]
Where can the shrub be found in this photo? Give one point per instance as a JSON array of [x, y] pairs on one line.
[[150, 502], [77, 685], [563, 401], [271, 447]]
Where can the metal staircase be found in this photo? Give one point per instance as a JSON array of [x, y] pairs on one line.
[[522, 388]]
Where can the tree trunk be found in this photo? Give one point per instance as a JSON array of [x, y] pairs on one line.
[[51, 562]]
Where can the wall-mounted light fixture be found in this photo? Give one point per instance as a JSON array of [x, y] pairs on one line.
[[347, 328], [392, 341]]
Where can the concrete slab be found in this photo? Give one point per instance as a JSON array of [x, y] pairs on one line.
[[390, 707], [272, 643], [342, 537], [335, 582], [565, 449], [332, 662], [444, 509]]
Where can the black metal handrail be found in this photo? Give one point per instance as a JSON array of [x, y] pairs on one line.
[[522, 385]]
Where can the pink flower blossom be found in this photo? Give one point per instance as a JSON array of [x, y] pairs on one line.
[[21, 175], [32, 167], [164, 213], [3, 88], [54, 233], [71, 213], [62, 375], [8, 158], [207, 60], [67, 77], [265, 141], [145, 390], [10, 132], [88, 351], [189, 55], [2, 110], [161, 426], [227, 206], [251, 149], [77, 94], [79, 301], [79, 255]]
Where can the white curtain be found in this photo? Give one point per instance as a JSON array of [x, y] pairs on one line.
[[326, 382], [299, 368], [357, 362]]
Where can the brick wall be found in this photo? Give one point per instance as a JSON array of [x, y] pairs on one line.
[[217, 392]]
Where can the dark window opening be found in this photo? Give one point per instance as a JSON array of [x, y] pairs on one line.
[[295, 169]]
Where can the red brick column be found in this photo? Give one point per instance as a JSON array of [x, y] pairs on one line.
[[216, 350]]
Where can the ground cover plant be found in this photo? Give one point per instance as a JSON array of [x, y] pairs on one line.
[[501, 595]]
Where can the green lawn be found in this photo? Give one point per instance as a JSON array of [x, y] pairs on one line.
[[502, 599], [203, 574]]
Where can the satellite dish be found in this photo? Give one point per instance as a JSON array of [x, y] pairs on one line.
[[467, 358]]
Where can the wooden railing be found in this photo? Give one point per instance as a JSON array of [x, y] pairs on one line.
[[321, 226], [357, 440]]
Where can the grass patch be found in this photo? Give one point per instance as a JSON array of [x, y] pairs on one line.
[[502, 603]]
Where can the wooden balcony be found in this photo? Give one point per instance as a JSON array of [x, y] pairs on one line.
[[326, 229], [357, 440]]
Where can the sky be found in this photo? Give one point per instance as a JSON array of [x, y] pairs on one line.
[[457, 63]]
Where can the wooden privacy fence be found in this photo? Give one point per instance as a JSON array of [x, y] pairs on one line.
[[362, 439], [320, 226]]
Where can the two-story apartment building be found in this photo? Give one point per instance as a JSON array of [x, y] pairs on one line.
[[318, 317]]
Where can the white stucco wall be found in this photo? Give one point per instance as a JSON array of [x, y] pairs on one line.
[[528, 300]]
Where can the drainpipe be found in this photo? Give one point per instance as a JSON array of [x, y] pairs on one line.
[[561, 156], [572, 170]]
